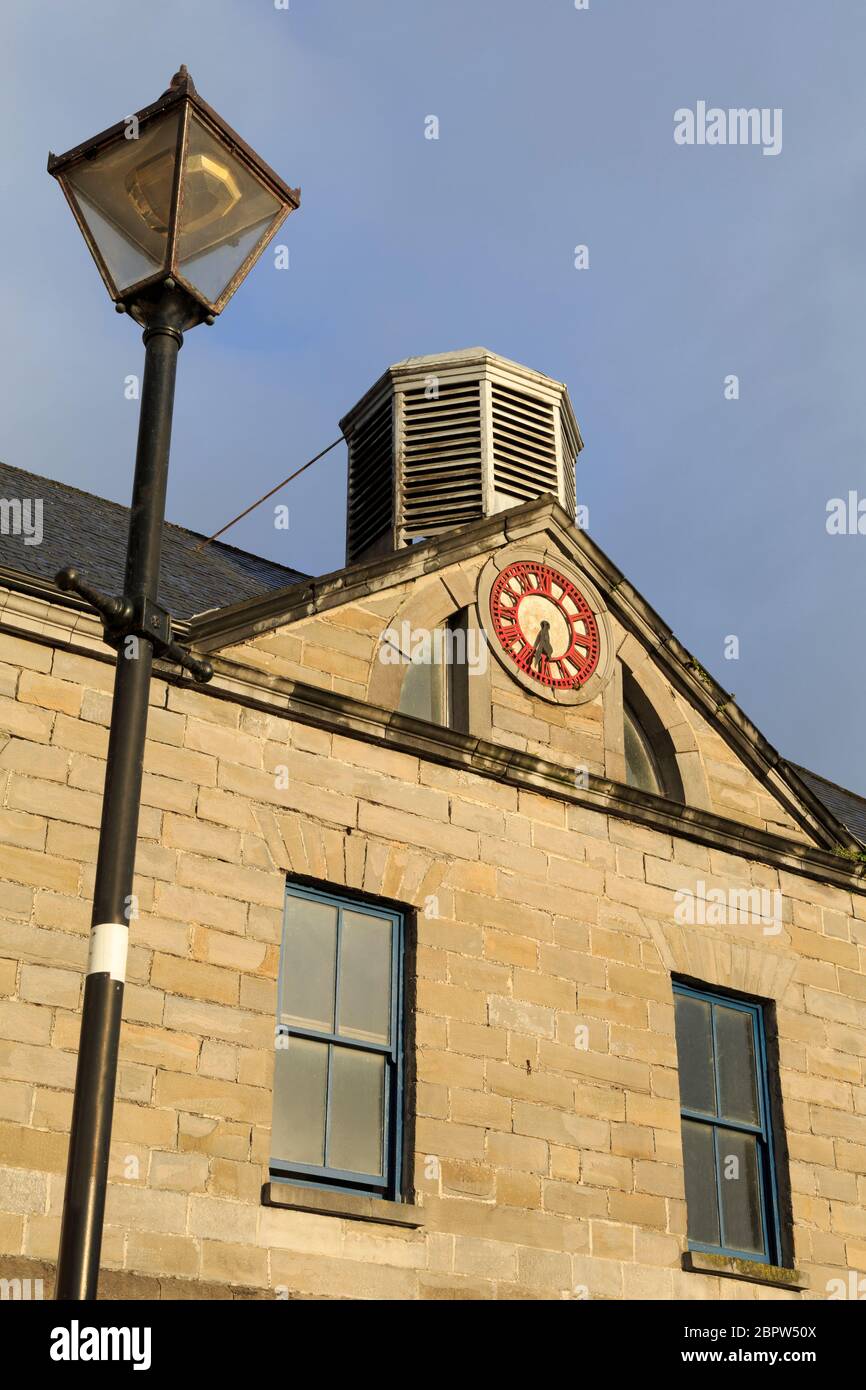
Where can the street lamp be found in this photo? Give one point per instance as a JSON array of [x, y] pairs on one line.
[[175, 209], [173, 192]]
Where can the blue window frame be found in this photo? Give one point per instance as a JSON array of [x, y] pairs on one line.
[[730, 1172], [339, 1059]]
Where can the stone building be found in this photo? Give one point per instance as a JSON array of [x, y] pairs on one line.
[[481, 947]]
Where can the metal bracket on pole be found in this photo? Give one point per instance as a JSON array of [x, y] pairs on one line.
[[136, 617]]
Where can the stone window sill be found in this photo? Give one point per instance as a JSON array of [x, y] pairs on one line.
[[750, 1271], [344, 1204]]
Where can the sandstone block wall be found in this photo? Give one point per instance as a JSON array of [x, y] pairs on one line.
[[543, 1168]]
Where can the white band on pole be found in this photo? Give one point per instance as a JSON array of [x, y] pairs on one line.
[[108, 947]]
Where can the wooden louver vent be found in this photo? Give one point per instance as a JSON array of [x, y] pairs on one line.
[[524, 444], [570, 450], [442, 464], [371, 480], [442, 441]]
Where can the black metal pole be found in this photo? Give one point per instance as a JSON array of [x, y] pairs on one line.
[[87, 1168]]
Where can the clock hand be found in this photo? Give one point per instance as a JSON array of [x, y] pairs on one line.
[[542, 646]]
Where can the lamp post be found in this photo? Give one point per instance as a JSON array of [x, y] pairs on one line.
[[175, 209]]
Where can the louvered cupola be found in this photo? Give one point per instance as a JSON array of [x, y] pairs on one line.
[[441, 441]]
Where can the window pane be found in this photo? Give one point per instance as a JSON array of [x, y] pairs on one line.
[[357, 1111], [460, 670], [300, 1086], [423, 692], [365, 977], [702, 1207], [639, 768], [309, 962], [695, 1054], [735, 1049], [741, 1191]]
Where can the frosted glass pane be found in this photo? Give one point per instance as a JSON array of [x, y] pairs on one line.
[[423, 693], [210, 272], [365, 978], [300, 1087], [639, 769], [702, 1207], [357, 1111], [735, 1046], [741, 1192], [225, 210], [309, 963], [695, 1054], [124, 195], [126, 262]]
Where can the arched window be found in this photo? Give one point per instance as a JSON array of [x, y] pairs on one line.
[[640, 763], [425, 691], [650, 759], [435, 686]]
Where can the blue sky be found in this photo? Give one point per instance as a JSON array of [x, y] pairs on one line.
[[556, 129]]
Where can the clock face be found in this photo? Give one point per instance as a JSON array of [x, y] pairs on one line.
[[544, 625]]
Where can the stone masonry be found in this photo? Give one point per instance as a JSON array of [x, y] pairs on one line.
[[543, 1168]]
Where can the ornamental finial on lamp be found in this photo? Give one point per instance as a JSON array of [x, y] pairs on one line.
[[182, 80]]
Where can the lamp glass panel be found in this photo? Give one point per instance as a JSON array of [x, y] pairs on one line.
[[124, 197], [225, 212]]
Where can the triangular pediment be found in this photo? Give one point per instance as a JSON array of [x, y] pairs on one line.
[[328, 632]]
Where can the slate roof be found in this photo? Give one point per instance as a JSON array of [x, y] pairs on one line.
[[847, 807], [89, 532]]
